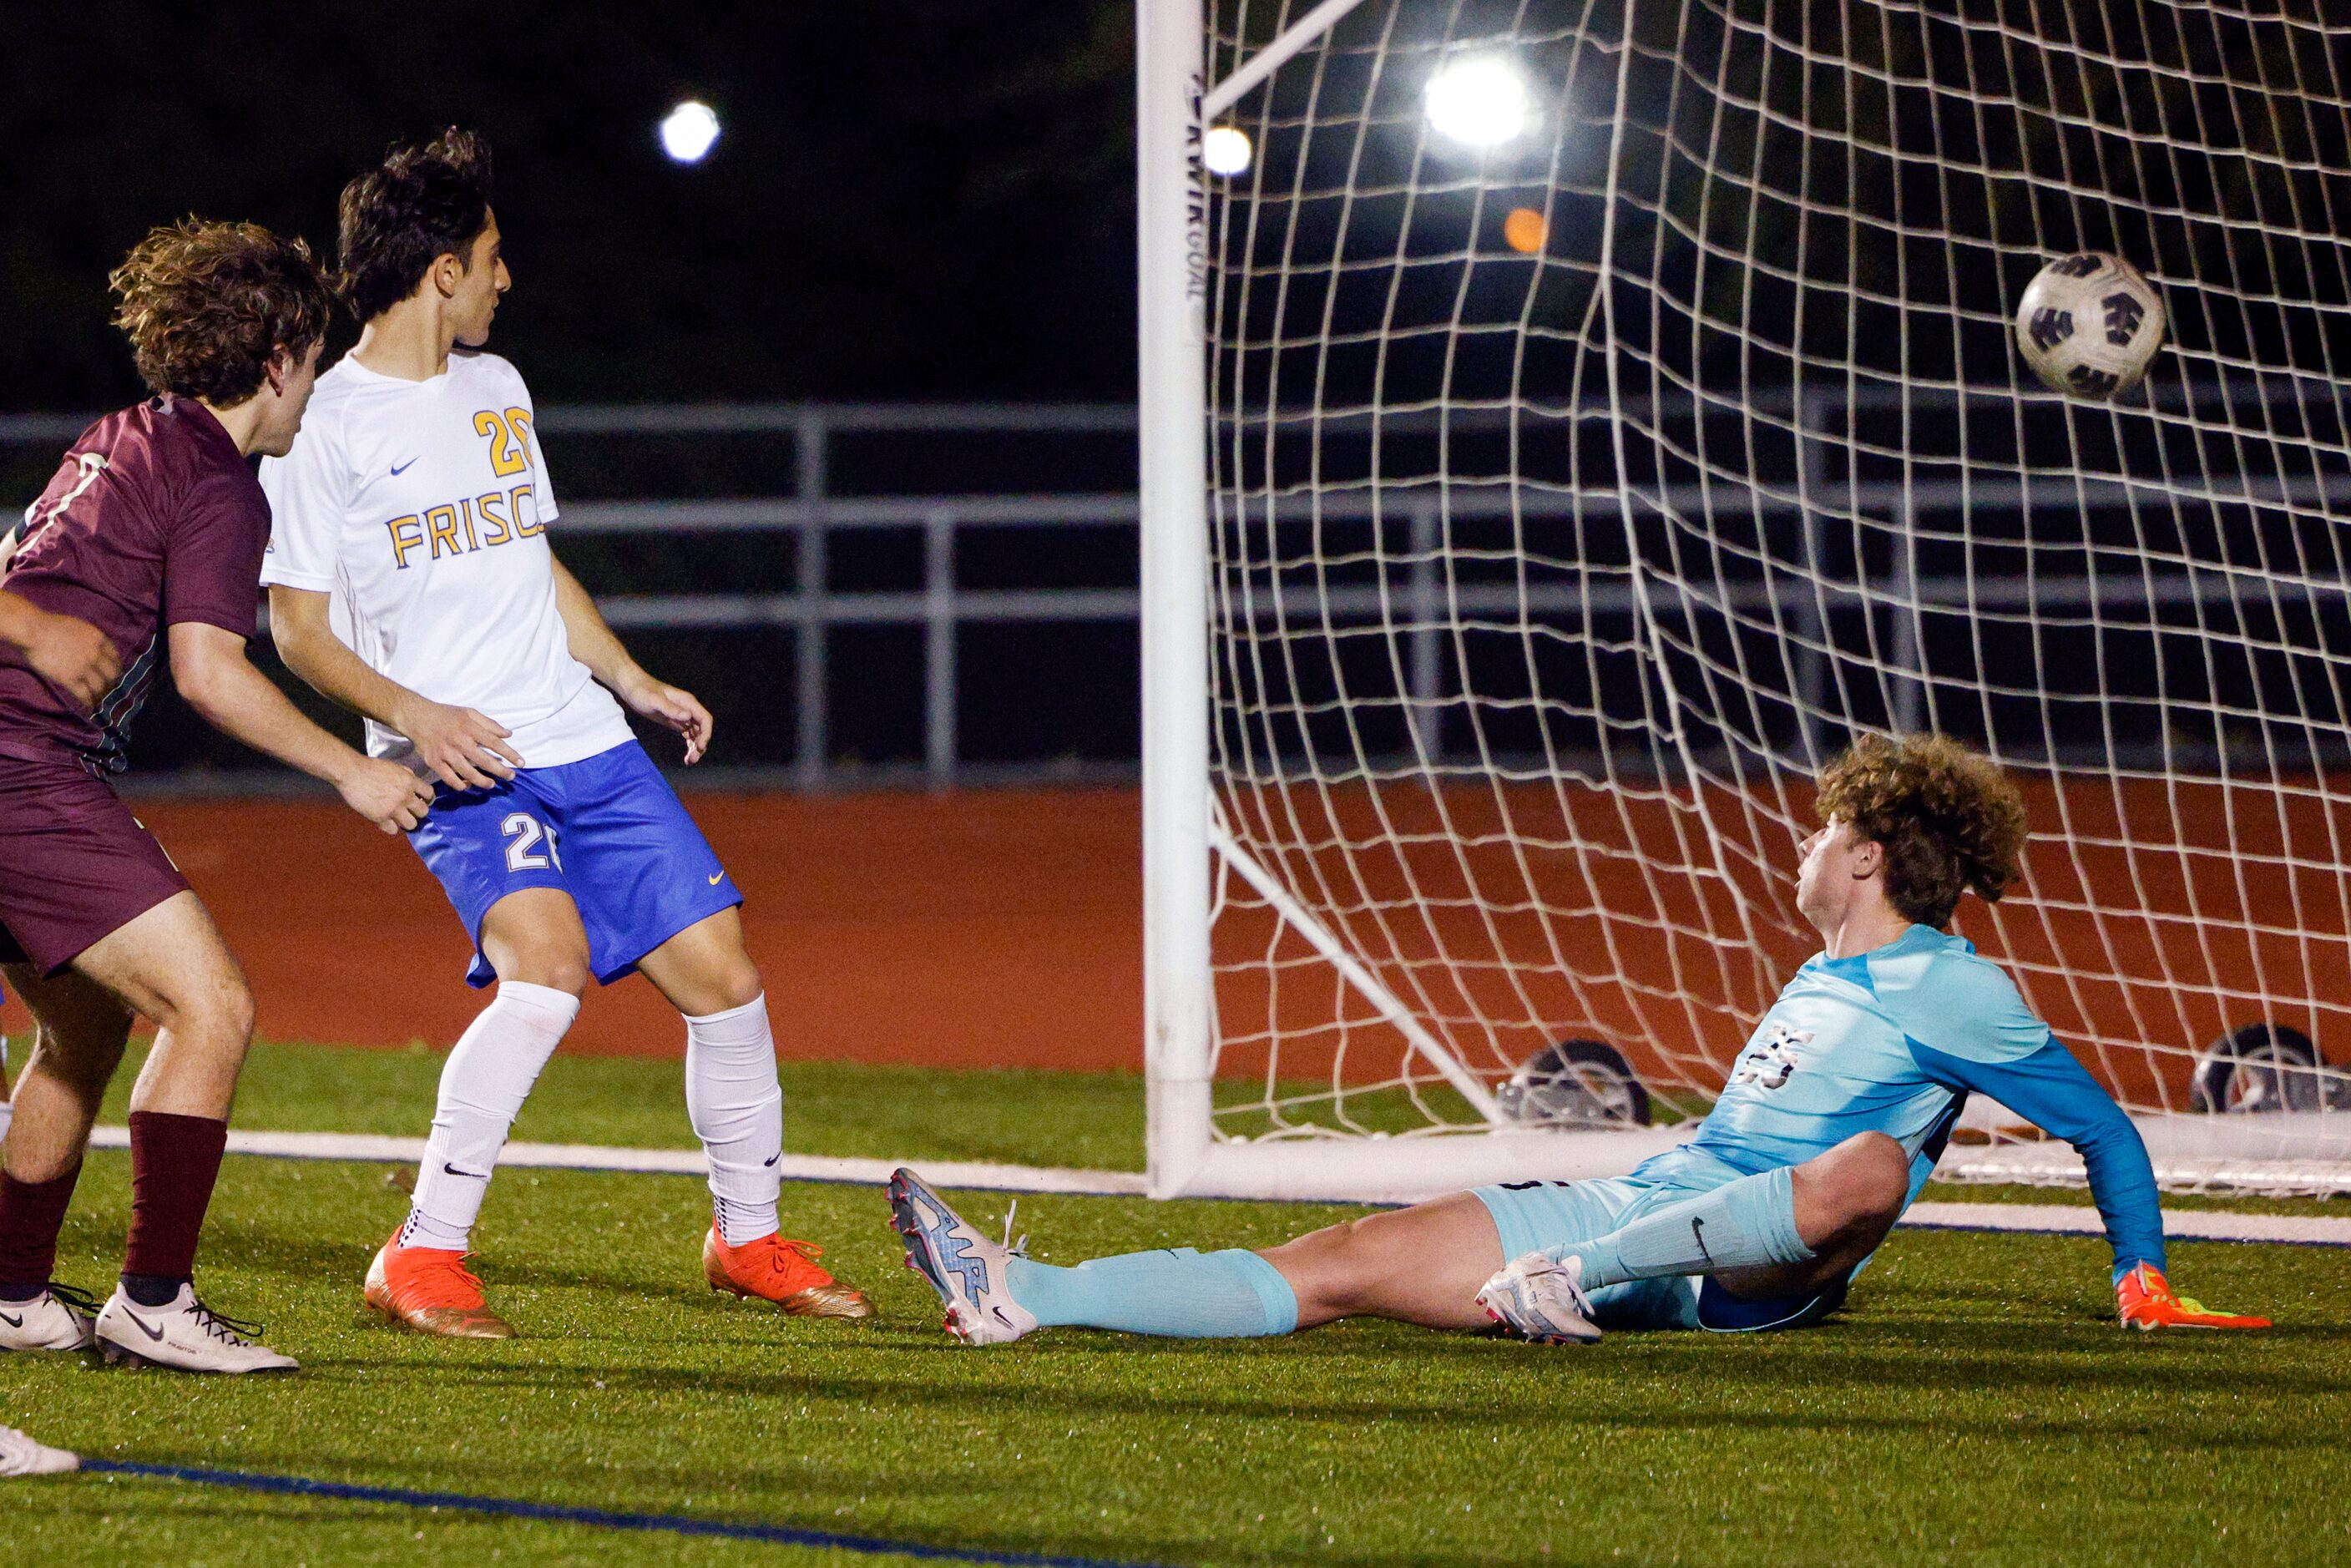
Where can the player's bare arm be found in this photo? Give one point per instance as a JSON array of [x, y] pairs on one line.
[[464, 747], [209, 667], [594, 645], [74, 653]]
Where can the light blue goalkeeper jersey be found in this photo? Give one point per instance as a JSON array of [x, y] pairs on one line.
[[1893, 1040]]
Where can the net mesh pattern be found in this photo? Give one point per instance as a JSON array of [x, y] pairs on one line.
[[1553, 554]]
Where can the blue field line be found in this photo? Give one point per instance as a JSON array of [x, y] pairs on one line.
[[598, 1518]]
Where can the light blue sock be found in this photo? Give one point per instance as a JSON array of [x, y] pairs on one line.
[[1183, 1293], [1739, 1225]]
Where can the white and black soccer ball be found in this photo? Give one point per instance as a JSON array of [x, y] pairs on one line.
[[2089, 324]]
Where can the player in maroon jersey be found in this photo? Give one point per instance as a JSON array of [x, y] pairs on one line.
[[152, 531], [77, 656]]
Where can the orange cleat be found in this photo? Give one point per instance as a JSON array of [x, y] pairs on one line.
[[2145, 1300], [428, 1289], [785, 1273]]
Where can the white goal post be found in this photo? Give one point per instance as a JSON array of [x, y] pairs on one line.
[[1565, 427]]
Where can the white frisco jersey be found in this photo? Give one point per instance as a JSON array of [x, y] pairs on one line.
[[422, 506]]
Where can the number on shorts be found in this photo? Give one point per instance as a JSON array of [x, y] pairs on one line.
[[526, 833]]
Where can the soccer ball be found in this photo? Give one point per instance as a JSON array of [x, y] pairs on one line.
[[2089, 324]]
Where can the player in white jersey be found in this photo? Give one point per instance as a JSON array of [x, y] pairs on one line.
[[410, 579], [1833, 1115]]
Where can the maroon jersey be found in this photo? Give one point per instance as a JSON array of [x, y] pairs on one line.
[[154, 518]]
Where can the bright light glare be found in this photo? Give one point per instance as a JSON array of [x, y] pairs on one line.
[[1479, 101], [687, 134], [1225, 151]]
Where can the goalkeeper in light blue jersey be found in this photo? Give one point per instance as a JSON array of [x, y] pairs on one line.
[[1833, 1115]]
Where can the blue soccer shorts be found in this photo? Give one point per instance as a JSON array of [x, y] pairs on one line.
[[607, 829], [1536, 1215]]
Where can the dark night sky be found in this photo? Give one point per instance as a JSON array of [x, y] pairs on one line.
[[912, 198]]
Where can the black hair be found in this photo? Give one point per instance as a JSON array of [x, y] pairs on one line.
[[421, 203]]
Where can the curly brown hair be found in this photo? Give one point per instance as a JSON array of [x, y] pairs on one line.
[[1946, 817], [206, 304]]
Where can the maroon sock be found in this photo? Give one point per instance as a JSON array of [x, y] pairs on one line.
[[31, 1213], [174, 1160]]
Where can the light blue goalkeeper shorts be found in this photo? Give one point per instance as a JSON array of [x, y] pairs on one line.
[[1536, 1215]]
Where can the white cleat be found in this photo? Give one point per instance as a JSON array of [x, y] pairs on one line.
[[962, 1266], [59, 1318], [20, 1456], [1542, 1298], [185, 1336]]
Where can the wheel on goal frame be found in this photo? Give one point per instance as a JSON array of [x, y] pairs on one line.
[[2266, 1067], [1575, 1083]]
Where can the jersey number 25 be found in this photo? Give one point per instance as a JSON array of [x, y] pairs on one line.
[[1774, 1061]]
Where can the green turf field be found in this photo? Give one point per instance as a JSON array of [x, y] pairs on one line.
[[1973, 1405]]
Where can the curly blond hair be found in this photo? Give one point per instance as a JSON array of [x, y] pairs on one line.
[[206, 304], [1947, 817]]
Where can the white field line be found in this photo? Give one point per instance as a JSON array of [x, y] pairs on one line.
[[2179, 1224], [666, 1162], [2048, 1219]]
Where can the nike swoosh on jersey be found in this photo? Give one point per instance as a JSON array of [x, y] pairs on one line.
[[399, 468], [715, 877]]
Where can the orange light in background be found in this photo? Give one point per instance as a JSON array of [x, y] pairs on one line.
[[1524, 230]]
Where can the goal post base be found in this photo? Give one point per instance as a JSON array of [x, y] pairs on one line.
[[1412, 1169], [2291, 1154], [2286, 1154]]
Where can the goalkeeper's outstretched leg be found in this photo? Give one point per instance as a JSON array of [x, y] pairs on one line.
[[1787, 1233]]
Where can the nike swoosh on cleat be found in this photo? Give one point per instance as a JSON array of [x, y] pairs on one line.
[[154, 1334], [399, 468], [12, 1322]]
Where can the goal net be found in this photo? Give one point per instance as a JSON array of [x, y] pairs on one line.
[[1598, 414]]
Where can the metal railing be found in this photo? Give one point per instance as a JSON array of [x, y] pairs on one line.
[[1416, 584], [941, 607]]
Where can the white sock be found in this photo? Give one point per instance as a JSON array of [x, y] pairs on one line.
[[7, 1115], [482, 1086], [738, 1110]]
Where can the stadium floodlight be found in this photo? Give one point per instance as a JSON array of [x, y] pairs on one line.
[[1225, 151], [1482, 100], [688, 132]]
